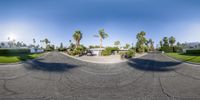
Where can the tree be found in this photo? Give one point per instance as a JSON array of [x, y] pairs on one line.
[[151, 42], [166, 43], [61, 45], [127, 46], [34, 41], [172, 40], [46, 41], [77, 37], [140, 45], [117, 43], [61, 48], [102, 35], [161, 43], [178, 44]]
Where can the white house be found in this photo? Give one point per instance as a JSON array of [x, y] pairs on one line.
[[97, 51], [33, 50], [4, 45], [191, 46]]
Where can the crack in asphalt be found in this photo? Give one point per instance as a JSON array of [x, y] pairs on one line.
[[7, 90], [162, 88]]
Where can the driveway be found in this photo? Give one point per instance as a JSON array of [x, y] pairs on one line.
[[56, 76]]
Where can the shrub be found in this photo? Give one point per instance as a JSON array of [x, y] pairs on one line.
[[127, 54], [14, 51], [177, 49], [77, 51], [109, 50], [167, 49], [192, 51]]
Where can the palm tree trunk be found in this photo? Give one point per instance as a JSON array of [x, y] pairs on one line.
[[100, 42]]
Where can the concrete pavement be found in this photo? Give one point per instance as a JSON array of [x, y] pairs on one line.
[[56, 76]]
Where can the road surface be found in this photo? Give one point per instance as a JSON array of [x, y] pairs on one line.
[[56, 76]]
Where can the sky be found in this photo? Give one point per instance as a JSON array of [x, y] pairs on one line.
[[57, 20]]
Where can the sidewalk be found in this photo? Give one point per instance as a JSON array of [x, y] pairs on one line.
[[103, 59]]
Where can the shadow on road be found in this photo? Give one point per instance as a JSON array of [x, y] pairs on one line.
[[49, 66], [152, 65]]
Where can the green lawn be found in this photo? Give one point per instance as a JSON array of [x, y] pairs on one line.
[[12, 58], [185, 57]]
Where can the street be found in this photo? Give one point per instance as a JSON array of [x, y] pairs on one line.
[[56, 76]]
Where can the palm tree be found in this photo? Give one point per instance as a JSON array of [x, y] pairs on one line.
[[117, 43], [46, 41], [102, 35], [77, 37], [172, 40], [34, 42]]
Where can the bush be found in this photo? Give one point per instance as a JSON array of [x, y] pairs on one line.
[[177, 49], [167, 49], [62, 49], [78, 51], [109, 50], [127, 54], [14, 51], [192, 51]]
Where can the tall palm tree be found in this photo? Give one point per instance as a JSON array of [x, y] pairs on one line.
[[46, 41], [102, 35], [77, 37], [172, 40], [34, 41]]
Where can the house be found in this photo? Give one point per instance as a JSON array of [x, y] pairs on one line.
[[97, 51], [5, 44], [34, 50], [191, 46]]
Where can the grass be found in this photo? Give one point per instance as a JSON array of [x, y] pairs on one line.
[[185, 57], [12, 58]]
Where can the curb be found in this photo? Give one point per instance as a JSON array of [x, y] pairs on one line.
[[177, 60], [100, 62]]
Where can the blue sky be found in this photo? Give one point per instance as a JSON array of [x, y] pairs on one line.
[[122, 20]]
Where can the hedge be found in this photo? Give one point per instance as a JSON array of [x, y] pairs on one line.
[[192, 51], [14, 51], [109, 50]]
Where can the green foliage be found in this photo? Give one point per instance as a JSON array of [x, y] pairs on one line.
[[102, 35], [146, 49], [140, 45], [50, 48], [151, 42], [172, 40], [78, 50], [117, 43], [192, 51], [14, 51], [185, 57], [77, 37], [96, 46], [128, 54], [167, 49], [61, 48], [12, 58], [127, 46], [177, 49], [166, 41], [109, 50], [161, 43]]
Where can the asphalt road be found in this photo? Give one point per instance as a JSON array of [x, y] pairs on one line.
[[56, 76]]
